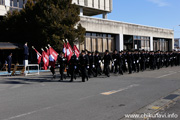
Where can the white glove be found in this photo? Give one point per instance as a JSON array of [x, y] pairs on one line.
[[114, 60], [75, 67], [59, 66], [93, 66], [87, 67], [137, 61], [99, 61], [112, 63], [134, 62]]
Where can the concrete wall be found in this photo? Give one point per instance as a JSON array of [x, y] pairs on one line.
[[121, 28], [115, 27]]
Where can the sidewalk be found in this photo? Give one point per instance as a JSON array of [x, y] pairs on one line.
[[173, 109]]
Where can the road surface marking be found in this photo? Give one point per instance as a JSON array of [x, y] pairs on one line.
[[16, 86], [122, 89], [166, 75], [28, 113], [155, 107]]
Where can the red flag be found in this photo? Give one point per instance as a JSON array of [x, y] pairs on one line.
[[76, 51], [53, 55], [48, 51], [45, 60], [65, 50], [69, 51], [38, 56]]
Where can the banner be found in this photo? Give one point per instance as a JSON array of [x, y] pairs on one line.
[[76, 51], [53, 55], [38, 56], [45, 60], [69, 51]]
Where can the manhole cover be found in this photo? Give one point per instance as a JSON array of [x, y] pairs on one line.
[[171, 96]]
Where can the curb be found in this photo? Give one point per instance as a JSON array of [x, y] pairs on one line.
[[156, 106]]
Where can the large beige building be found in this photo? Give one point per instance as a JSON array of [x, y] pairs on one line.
[[102, 34]]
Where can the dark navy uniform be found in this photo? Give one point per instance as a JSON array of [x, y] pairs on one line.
[[9, 61], [142, 61], [107, 58], [62, 62], [115, 57], [26, 52], [130, 61], [84, 64], [152, 61], [136, 57], [120, 63], [97, 63], [73, 67], [91, 64]]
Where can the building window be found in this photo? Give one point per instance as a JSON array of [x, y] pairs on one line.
[[88, 43], [141, 42], [94, 44], [100, 42]]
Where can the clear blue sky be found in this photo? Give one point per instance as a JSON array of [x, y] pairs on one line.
[[157, 13]]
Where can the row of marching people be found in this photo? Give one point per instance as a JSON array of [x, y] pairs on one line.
[[90, 64]]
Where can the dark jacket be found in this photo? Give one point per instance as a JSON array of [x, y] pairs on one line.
[[26, 50], [107, 58]]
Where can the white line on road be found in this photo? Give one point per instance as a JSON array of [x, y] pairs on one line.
[[16, 86], [166, 75], [122, 89], [28, 113]]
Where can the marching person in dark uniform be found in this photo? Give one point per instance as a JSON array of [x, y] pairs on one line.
[[9, 61], [133, 61], [62, 62], [152, 60], [107, 58], [142, 60], [97, 62], [136, 57], [147, 62], [115, 57], [124, 55], [162, 59], [26, 51], [73, 66], [120, 63], [91, 64], [158, 56], [84, 65], [166, 59], [178, 57], [171, 59], [175, 58], [130, 61]]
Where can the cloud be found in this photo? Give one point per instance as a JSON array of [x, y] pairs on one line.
[[160, 3]]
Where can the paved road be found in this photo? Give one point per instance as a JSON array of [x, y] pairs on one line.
[[102, 98]]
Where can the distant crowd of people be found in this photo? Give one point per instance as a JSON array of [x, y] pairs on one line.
[[92, 64]]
